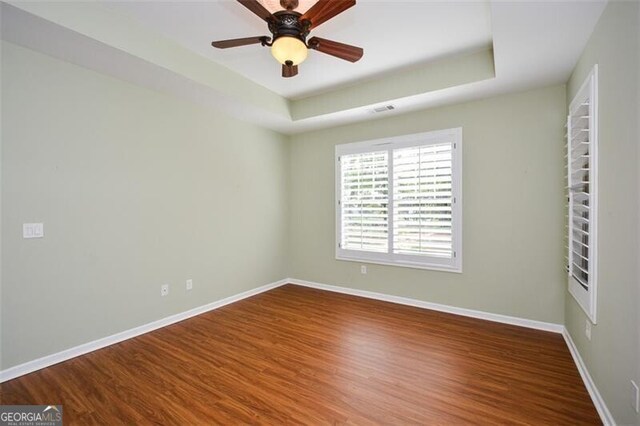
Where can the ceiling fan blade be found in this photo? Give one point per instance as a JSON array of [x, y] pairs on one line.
[[324, 10], [225, 44], [289, 70], [339, 50], [257, 8]]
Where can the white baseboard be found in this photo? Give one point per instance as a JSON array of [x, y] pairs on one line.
[[46, 361], [505, 319], [603, 411], [598, 402]]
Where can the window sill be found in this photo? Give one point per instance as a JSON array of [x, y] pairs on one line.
[[438, 268]]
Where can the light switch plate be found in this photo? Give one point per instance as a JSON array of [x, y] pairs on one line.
[[635, 396], [32, 230]]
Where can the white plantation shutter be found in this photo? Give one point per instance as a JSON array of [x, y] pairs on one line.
[[581, 175], [422, 200], [398, 201], [364, 201]]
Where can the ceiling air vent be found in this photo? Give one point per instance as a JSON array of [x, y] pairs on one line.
[[384, 108]]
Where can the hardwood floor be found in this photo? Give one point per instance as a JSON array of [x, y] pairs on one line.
[[299, 355]]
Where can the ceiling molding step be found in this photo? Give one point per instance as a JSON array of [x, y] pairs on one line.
[[118, 31], [445, 73]]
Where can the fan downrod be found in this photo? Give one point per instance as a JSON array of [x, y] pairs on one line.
[[289, 4]]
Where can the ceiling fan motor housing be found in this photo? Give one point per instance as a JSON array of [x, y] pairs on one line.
[[287, 23]]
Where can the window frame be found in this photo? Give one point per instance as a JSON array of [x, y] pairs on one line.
[[454, 264], [586, 297]]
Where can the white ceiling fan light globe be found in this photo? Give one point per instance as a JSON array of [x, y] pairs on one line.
[[287, 48]]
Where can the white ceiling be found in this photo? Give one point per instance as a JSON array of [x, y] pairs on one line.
[[535, 44], [394, 35]]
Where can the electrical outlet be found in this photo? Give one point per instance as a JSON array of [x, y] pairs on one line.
[[635, 396], [587, 330], [363, 269], [32, 230], [189, 285], [164, 289]]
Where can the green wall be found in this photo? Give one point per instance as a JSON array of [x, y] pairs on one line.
[[135, 189], [512, 207], [613, 356]]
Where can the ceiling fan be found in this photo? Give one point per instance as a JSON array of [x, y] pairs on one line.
[[290, 30]]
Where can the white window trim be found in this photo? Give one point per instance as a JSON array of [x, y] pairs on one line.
[[586, 298], [456, 211]]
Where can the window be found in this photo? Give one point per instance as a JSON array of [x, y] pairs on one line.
[[399, 201], [582, 137]]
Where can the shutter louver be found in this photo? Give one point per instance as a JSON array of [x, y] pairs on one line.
[[422, 198], [364, 202], [579, 166], [398, 201]]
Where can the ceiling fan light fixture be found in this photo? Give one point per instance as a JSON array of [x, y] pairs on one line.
[[290, 28], [286, 48]]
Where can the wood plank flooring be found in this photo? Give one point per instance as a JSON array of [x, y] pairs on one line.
[[304, 356]]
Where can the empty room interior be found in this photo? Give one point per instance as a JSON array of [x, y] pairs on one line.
[[320, 212]]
